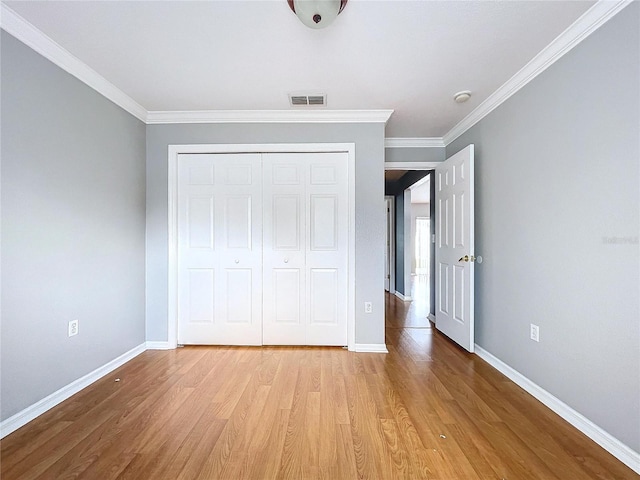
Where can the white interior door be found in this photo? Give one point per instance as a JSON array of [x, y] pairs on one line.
[[305, 248], [455, 248], [219, 249]]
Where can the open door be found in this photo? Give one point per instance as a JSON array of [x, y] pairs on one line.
[[455, 248]]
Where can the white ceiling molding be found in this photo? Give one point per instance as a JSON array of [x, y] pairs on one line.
[[428, 142], [18, 27], [584, 26], [411, 165], [271, 116]]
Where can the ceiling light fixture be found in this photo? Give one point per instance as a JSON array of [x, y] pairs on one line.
[[317, 13], [462, 97]]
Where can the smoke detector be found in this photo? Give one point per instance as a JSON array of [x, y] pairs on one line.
[[462, 97], [305, 100]]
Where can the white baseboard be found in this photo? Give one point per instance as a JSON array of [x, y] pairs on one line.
[[371, 348], [16, 421], [611, 444], [404, 298], [158, 346]]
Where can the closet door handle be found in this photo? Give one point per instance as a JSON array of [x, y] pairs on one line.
[[237, 261], [286, 260]]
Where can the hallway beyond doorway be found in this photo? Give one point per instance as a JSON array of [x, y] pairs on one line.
[[413, 314]]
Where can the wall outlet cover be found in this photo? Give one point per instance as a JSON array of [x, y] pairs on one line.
[[535, 333], [73, 328]]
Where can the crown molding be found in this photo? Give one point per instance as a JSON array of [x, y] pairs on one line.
[[427, 142], [18, 27], [584, 26], [411, 165], [270, 116]]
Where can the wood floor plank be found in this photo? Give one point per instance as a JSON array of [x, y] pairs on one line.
[[221, 451], [425, 410], [291, 462], [170, 462], [267, 462], [161, 452], [201, 449]]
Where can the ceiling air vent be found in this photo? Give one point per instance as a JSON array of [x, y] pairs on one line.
[[319, 100]]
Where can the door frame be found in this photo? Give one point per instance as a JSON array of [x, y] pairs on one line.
[[172, 221], [410, 166], [391, 225], [408, 254]]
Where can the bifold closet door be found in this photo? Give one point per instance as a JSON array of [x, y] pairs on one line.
[[220, 249], [305, 248]]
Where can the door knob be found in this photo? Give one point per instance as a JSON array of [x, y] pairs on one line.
[[286, 260], [237, 261], [467, 258]]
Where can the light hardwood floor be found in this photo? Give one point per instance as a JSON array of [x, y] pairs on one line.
[[425, 410]]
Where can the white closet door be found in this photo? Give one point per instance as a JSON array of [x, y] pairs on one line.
[[219, 249], [305, 248], [284, 240], [327, 247]]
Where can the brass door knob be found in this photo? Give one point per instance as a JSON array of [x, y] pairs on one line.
[[467, 258]]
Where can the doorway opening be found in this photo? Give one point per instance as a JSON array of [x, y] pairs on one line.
[[420, 278], [409, 188]]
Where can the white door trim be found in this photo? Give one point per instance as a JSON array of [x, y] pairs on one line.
[[172, 220], [411, 165], [408, 254], [391, 219]]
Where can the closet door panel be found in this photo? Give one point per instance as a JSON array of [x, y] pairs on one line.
[[305, 199], [284, 306], [220, 249], [327, 248]]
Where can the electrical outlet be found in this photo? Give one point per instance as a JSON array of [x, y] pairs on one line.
[[368, 307], [535, 333], [73, 328]]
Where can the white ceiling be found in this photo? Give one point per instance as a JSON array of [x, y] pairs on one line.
[[409, 56]]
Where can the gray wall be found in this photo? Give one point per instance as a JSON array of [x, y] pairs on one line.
[[73, 208], [369, 221], [556, 180], [430, 154]]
